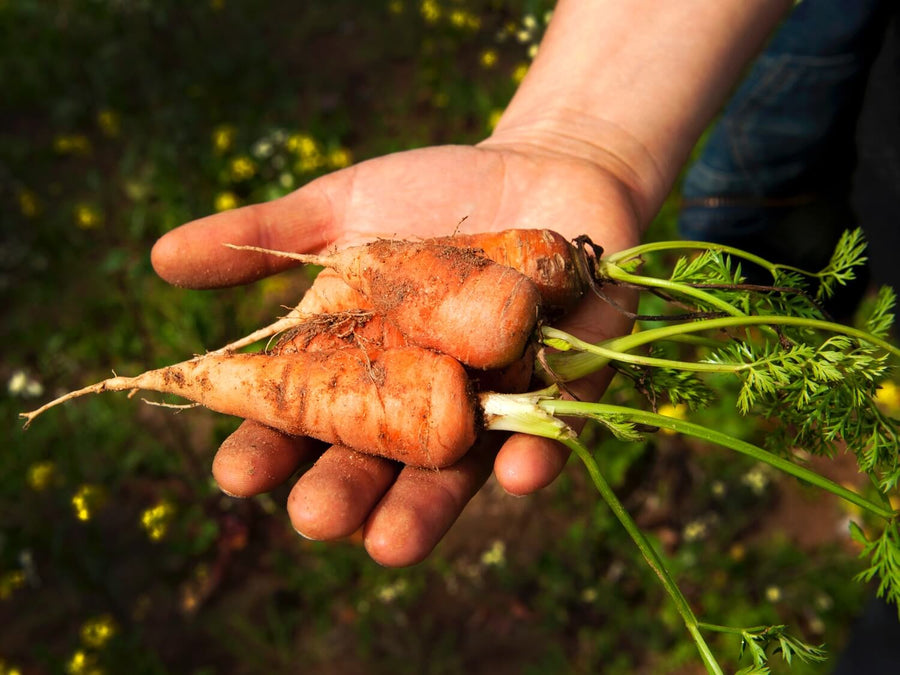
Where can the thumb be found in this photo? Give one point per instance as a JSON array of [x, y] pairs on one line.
[[194, 255]]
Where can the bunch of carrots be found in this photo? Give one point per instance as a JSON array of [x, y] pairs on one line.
[[410, 349], [387, 351]]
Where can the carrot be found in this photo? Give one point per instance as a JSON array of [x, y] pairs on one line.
[[512, 379], [552, 263], [441, 297], [328, 293], [407, 404], [352, 328], [544, 256]]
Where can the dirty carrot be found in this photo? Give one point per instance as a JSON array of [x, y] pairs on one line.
[[352, 328], [544, 256], [441, 297], [376, 402]]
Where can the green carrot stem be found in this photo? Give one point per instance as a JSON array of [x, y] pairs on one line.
[[616, 273], [567, 366], [552, 336], [638, 251], [598, 410], [650, 555]]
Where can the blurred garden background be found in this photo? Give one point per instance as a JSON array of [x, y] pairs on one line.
[[121, 119]]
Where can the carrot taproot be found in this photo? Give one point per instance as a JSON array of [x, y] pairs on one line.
[[441, 297], [408, 404]]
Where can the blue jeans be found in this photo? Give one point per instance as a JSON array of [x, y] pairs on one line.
[[785, 139]]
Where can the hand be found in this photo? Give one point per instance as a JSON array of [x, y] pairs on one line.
[[420, 193]]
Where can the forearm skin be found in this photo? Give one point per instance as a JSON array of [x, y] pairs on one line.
[[631, 84]]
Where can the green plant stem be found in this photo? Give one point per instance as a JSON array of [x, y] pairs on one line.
[[638, 251], [566, 366], [606, 270], [650, 555], [638, 360], [598, 410], [731, 630]]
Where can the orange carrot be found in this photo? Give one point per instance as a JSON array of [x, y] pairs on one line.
[[353, 328], [544, 256], [328, 293], [407, 404], [441, 297]]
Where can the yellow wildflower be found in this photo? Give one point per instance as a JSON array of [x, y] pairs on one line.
[[109, 122], [225, 201], [96, 632], [888, 397], [519, 72], [339, 158], [156, 520], [87, 501], [773, 594], [82, 663], [242, 168], [679, 412], [494, 118], [7, 669], [88, 217], [756, 479], [303, 145], [460, 18], [532, 51], [695, 530], [391, 592], [40, 475], [29, 205], [72, 144], [309, 164], [495, 556], [431, 11], [10, 582], [488, 58], [395, 7], [223, 137], [217, 5]]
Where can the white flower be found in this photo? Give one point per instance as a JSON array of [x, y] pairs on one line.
[[262, 148], [20, 384]]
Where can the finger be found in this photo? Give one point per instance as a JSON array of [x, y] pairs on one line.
[[194, 255], [257, 458], [333, 498], [421, 506], [526, 464]]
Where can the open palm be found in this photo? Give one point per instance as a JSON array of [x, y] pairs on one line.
[[419, 193]]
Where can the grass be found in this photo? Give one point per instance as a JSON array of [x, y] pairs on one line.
[[123, 119]]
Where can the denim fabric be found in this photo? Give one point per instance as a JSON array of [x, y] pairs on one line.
[[787, 132]]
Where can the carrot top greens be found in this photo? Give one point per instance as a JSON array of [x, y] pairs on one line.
[[813, 379]]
